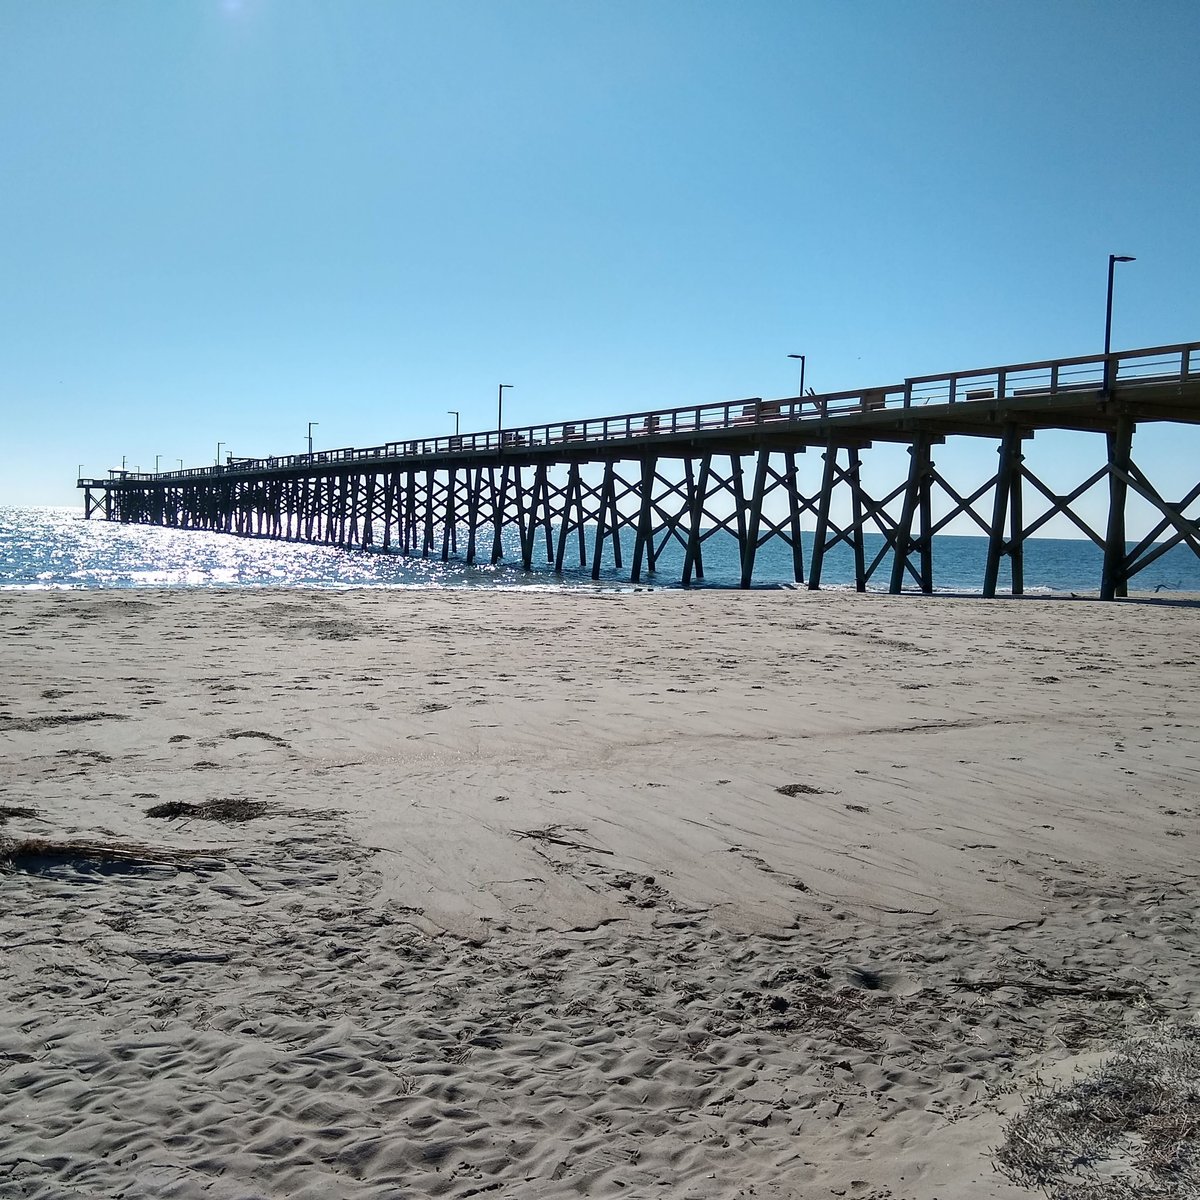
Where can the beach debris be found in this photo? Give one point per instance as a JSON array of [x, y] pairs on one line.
[[236, 808], [34, 853], [14, 810], [800, 789], [94, 757], [328, 629], [256, 733], [1074, 985], [554, 835], [174, 957], [1129, 1128], [641, 891], [795, 1001], [232, 808], [32, 724]]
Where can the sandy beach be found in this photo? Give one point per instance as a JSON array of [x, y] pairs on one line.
[[689, 895]]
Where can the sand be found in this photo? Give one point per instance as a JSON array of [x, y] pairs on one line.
[[663, 894]]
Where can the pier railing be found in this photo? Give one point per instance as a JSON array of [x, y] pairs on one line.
[[1155, 365]]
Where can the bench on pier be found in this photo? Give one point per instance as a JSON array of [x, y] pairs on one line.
[[980, 394], [755, 411], [874, 400], [571, 433], [761, 410], [512, 439]]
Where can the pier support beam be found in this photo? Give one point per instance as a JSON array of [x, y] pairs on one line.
[[916, 504], [693, 555], [643, 545], [753, 522], [793, 495], [1006, 507], [856, 520], [1113, 581], [821, 533]]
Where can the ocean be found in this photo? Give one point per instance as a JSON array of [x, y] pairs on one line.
[[56, 548]]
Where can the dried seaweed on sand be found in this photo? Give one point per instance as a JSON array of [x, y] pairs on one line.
[[14, 810], [232, 808], [31, 853], [1129, 1129]]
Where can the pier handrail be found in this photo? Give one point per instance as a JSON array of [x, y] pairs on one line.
[[1052, 376], [1049, 377]]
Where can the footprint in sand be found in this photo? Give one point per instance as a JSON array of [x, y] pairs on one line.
[[886, 980]]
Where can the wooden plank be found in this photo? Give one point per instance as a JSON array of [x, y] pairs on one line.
[[1009, 451], [693, 558], [828, 475], [1114, 575], [749, 545]]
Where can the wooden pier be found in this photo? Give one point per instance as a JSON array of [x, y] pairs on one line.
[[633, 484]]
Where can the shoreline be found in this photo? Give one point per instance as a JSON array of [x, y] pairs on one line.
[[590, 587], [48, 548]]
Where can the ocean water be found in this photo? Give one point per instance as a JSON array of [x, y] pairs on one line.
[[57, 548]]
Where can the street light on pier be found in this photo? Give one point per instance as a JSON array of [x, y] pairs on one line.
[[1113, 259], [311, 426], [500, 410], [453, 412], [123, 457], [181, 464], [156, 458], [801, 358], [219, 445]]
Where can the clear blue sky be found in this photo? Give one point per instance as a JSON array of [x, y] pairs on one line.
[[225, 218]]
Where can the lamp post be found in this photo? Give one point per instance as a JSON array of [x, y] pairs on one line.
[[311, 426], [156, 458], [181, 464], [1113, 259], [219, 445], [500, 411], [801, 358], [123, 457], [453, 412]]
